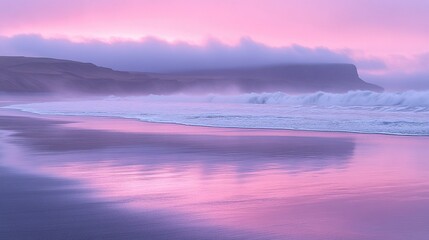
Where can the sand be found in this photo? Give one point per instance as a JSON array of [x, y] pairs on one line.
[[103, 178]]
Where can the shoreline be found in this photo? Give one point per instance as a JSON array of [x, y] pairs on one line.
[[41, 204], [157, 179], [278, 130], [61, 198]]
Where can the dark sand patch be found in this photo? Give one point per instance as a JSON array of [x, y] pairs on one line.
[[34, 207]]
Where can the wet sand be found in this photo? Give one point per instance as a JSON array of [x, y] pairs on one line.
[[93, 178]]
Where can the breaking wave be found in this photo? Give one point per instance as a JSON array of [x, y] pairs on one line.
[[352, 98], [405, 113]]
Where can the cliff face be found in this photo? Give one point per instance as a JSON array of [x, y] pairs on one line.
[[43, 75], [295, 78]]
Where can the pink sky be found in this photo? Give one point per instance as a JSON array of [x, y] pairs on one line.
[[382, 27], [395, 31]]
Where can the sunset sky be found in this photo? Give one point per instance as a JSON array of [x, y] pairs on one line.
[[387, 39]]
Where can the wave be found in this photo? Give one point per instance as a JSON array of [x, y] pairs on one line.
[[352, 98], [404, 113]]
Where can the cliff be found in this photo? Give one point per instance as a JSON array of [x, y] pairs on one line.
[[294, 78], [44, 75]]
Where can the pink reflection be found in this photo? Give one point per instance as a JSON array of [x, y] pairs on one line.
[[381, 192], [385, 185], [133, 126]]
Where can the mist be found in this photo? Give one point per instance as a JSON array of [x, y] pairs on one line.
[[401, 81], [155, 55], [159, 56]]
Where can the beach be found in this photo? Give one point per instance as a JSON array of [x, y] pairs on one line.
[[214, 120], [77, 177]]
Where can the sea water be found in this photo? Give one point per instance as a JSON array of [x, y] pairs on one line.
[[399, 113]]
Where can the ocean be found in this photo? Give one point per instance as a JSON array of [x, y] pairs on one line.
[[397, 113]]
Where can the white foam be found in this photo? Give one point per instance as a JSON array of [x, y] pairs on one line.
[[360, 111], [352, 98]]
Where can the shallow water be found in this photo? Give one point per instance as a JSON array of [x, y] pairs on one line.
[[245, 184], [403, 113]]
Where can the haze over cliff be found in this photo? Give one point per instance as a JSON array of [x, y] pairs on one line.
[[45, 75]]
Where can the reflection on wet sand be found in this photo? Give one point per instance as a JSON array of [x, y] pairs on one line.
[[269, 183]]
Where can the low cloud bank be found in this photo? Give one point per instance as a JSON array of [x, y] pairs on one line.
[[155, 55], [401, 81]]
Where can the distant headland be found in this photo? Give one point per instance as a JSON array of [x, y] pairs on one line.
[[26, 75]]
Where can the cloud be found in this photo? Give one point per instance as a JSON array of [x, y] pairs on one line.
[[401, 81], [376, 27], [404, 73], [155, 55]]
